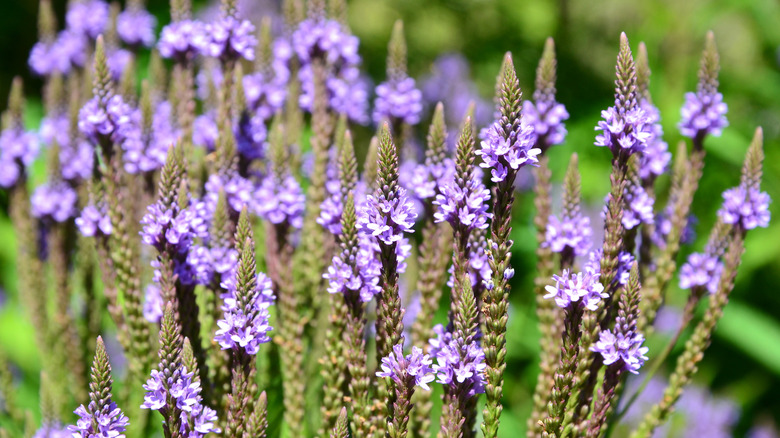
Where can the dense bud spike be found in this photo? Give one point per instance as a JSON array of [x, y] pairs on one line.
[[752, 169], [387, 158], [102, 77], [15, 109], [396, 53], [47, 22], [625, 84], [243, 231], [264, 47], [643, 72], [337, 10], [278, 149], [437, 138], [546, 73], [710, 66], [341, 430], [571, 188], [371, 168]]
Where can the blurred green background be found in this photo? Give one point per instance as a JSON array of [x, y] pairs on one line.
[[743, 362]]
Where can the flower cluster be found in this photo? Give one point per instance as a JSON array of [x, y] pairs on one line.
[[182, 40], [624, 133], [704, 113], [546, 118], [364, 279], [75, 156], [197, 420], [747, 207], [656, 157], [53, 430], [245, 328], [580, 287], [110, 422], [500, 153], [458, 363], [625, 260], [153, 304], [663, 226], [398, 100], [54, 202], [239, 193], [204, 263], [387, 219], [570, 234], [281, 201], [165, 228], [58, 56], [17, 151], [624, 347], [424, 181], [89, 18], [265, 92], [94, 221], [112, 120], [147, 151], [229, 38], [701, 270], [639, 207], [136, 27], [463, 206], [407, 371]]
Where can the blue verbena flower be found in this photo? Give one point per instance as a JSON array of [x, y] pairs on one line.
[[171, 228], [413, 369], [399, 100], [203, 263], [281, 201], [153, 303], [67, 51], [363, 279], [111, 422], [53, 429], [639, 207], [266, 95], [230, 38], [182, 40], [94, 221], [624, 347], [656, 157], [136, 27], [205, 131], [239, 191], [387, 219], [18, 150], [424, 181], [117, 60], [625, 260], [114, 121], [701, 270], [546, 118], [147, 151], [747, 207], [704, 113], [463, 206], [196, 419], [624, 133], [581, 287], [245, 328], [663, 226], [54, 202], [75, 156], [251, 137], [88, 17], [458, 363], [501, 154], [570, 234]]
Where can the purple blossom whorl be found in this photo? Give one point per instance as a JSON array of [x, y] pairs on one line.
[[625, 260], [245, 328], [136, 27], [183, 40], [546, 118], [111, 422], [281, 201], [465, 207], [197, 420], [59, 56], [413, 369], [398, 100], [147, 151], [749, 208], [580, 287], [230, 38], [54, 202], [701, 270], [624, 347], [703, 113], [656, 157], [89, 17], [94, 221], [624, 133], [501, 154], [364, 280], [458, 363], [113, 120], [387, 220], [18, 150], [570, 234]]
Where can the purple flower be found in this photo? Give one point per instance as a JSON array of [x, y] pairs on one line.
[[326, 39], [229, 38], [75, 156], [387, 219], [281, 201], [196, 419], [572, 234], [54, 201], [701, 270], [205, 132], [251, 137], [639, 207], [53, 429], [170, 228], [111, 422], [17, 151], [113, 121], [153, 304], [582, 287], [147, 151], [546, 118], [330, 214], [363, 279], [458, 363], [265, 96], [626, 132], [450, 83], [59, 56], [656, 157], [465, 207], [500, 154], [93, 222], [240, 193], [414, 369], [136, 27], [399, 100], [425, 181], [625, 260], [747, 207], [182, 40], [88, 17], [619, 346], [703, 113], [663, 226], [245, 328], [117, 60]]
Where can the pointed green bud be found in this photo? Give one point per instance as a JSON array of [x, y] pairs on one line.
[[681, 165], [171, 177], [752, 170], [510, 97], [221, 227], [147, 112], [643, 72], [239, 97], [337, 10], [571, 188], [49, 408], [349, 236], [625, 85], [341, 430], [47, 22], [396, 53], [54, 93], [294, 12], [341, 128], [101, 76], [264, 57], [246, 275], [710, 66], [54, 166], [100, 381], [158, 74], [229, 8], [278, 148], [170, 340], [188, 359], [111, 34], [546, 73], [15, 104], [437, 138], [316, 9], [464, 153], [387, 177], [74, 104], [244, 232]]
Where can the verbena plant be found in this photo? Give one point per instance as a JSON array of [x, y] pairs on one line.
[[162, 208]]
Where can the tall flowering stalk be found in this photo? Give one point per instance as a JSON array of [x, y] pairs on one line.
[[507, 147], [406, 372]]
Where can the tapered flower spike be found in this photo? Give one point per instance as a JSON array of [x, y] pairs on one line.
[[371, 167], [642, 72], [316, 9], [752, 170], [294, 12], [704, 112], [710, 66], [47, 21], [102, 76], [264, 56], [626, 83], [337, 10], [347, 166], [546, 73], [341, 429], [396, 53], [258, 422]]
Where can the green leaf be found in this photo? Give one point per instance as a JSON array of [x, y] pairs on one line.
[[753, 332]]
